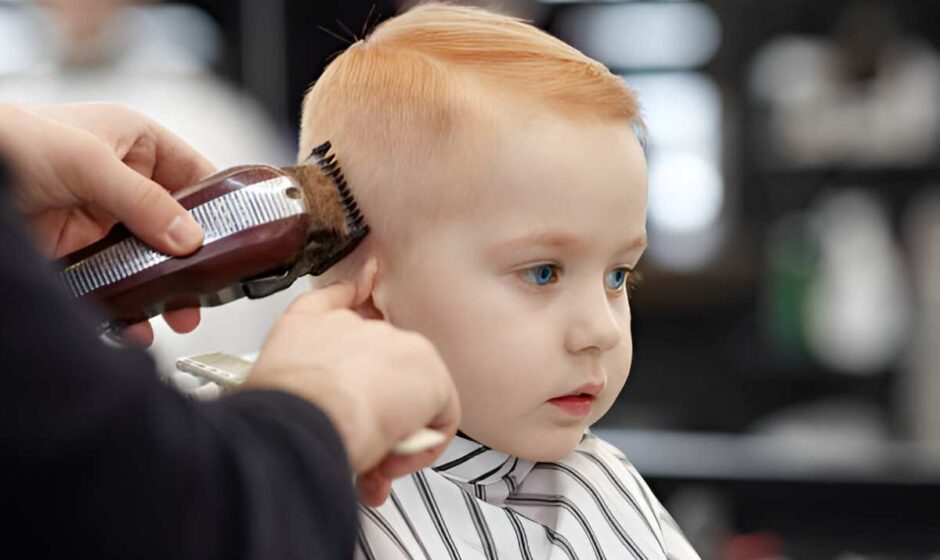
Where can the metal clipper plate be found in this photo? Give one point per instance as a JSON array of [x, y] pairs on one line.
[[220, 217]]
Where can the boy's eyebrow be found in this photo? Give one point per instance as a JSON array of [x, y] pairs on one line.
[[639, 242], [557, 240]]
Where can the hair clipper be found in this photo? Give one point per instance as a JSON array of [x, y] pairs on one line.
[[264, 228]]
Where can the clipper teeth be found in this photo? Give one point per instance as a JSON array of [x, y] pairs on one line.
[[326, 161]]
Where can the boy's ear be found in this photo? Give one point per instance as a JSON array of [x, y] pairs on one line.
[[368, 310], [368, 303]]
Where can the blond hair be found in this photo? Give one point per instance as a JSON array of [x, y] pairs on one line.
[[408, 93]]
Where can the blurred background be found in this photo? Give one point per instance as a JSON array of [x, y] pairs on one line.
[[785, 395]]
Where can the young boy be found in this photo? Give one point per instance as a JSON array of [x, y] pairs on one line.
[[505, 185]]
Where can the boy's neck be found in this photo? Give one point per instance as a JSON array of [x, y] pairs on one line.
[[465, 436]]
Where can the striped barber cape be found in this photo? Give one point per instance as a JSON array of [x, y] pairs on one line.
[[479, 503]]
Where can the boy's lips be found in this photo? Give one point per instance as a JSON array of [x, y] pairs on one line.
[[588, 389], [579, 402]]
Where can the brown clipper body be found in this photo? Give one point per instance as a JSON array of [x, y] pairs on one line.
[[265, 227]]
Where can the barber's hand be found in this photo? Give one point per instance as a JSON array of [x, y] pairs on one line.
[[81, 168], [378, 384]]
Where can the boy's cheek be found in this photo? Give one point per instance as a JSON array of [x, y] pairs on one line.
[[603, 406], [617, 379]]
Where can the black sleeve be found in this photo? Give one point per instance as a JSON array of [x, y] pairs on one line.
[[100, 459]]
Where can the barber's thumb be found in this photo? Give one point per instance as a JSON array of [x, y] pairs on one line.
[[149, 211], [322, 300]]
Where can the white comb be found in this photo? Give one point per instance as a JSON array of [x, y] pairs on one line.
[[229, 371]]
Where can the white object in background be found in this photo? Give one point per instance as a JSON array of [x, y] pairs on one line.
[[688, 210], [686, 193], [220, 368], [920, 388], [817, 117], [227, 371], [857, 310], [644, 35]]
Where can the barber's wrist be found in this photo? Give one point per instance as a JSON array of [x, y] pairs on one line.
[[288, 407], [347, 418], [11, 125]]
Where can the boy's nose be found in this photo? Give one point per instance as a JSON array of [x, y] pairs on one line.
[[595, 325]]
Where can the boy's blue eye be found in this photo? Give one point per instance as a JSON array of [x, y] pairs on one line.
[[615, 279], [541, 275]]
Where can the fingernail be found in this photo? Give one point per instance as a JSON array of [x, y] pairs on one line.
[[184, 233]]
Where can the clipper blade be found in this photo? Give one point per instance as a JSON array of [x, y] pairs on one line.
[[325, 159], [338, 225]]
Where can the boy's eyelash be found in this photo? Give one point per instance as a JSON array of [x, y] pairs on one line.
[[634, 279]]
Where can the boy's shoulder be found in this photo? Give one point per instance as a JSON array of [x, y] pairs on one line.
[[614, 463], [598, 460], [595, 483]]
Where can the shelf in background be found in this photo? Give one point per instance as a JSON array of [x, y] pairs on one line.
[[795, 189], [714, 456], [846, 175]]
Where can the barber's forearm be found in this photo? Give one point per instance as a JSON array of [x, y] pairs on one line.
[[290, 458], [101, 454]]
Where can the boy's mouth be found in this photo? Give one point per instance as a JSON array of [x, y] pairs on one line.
[[575, 405], [579, 402]]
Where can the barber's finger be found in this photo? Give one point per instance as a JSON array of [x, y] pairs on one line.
[[145, 207], [177, 164], [395, 465], [322, 300], [373, 488], [139, 334], [374, 485], [448, 418], [182, 320]]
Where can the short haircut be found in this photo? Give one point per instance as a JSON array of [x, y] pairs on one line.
[[404, 95]]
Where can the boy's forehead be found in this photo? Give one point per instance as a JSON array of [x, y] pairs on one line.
[[515, 162], [550, 156], [559, 239], [555, 183]]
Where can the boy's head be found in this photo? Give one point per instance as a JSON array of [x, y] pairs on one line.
[[506, 190]]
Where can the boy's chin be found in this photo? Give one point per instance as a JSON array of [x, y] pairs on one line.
[[551, 446]]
